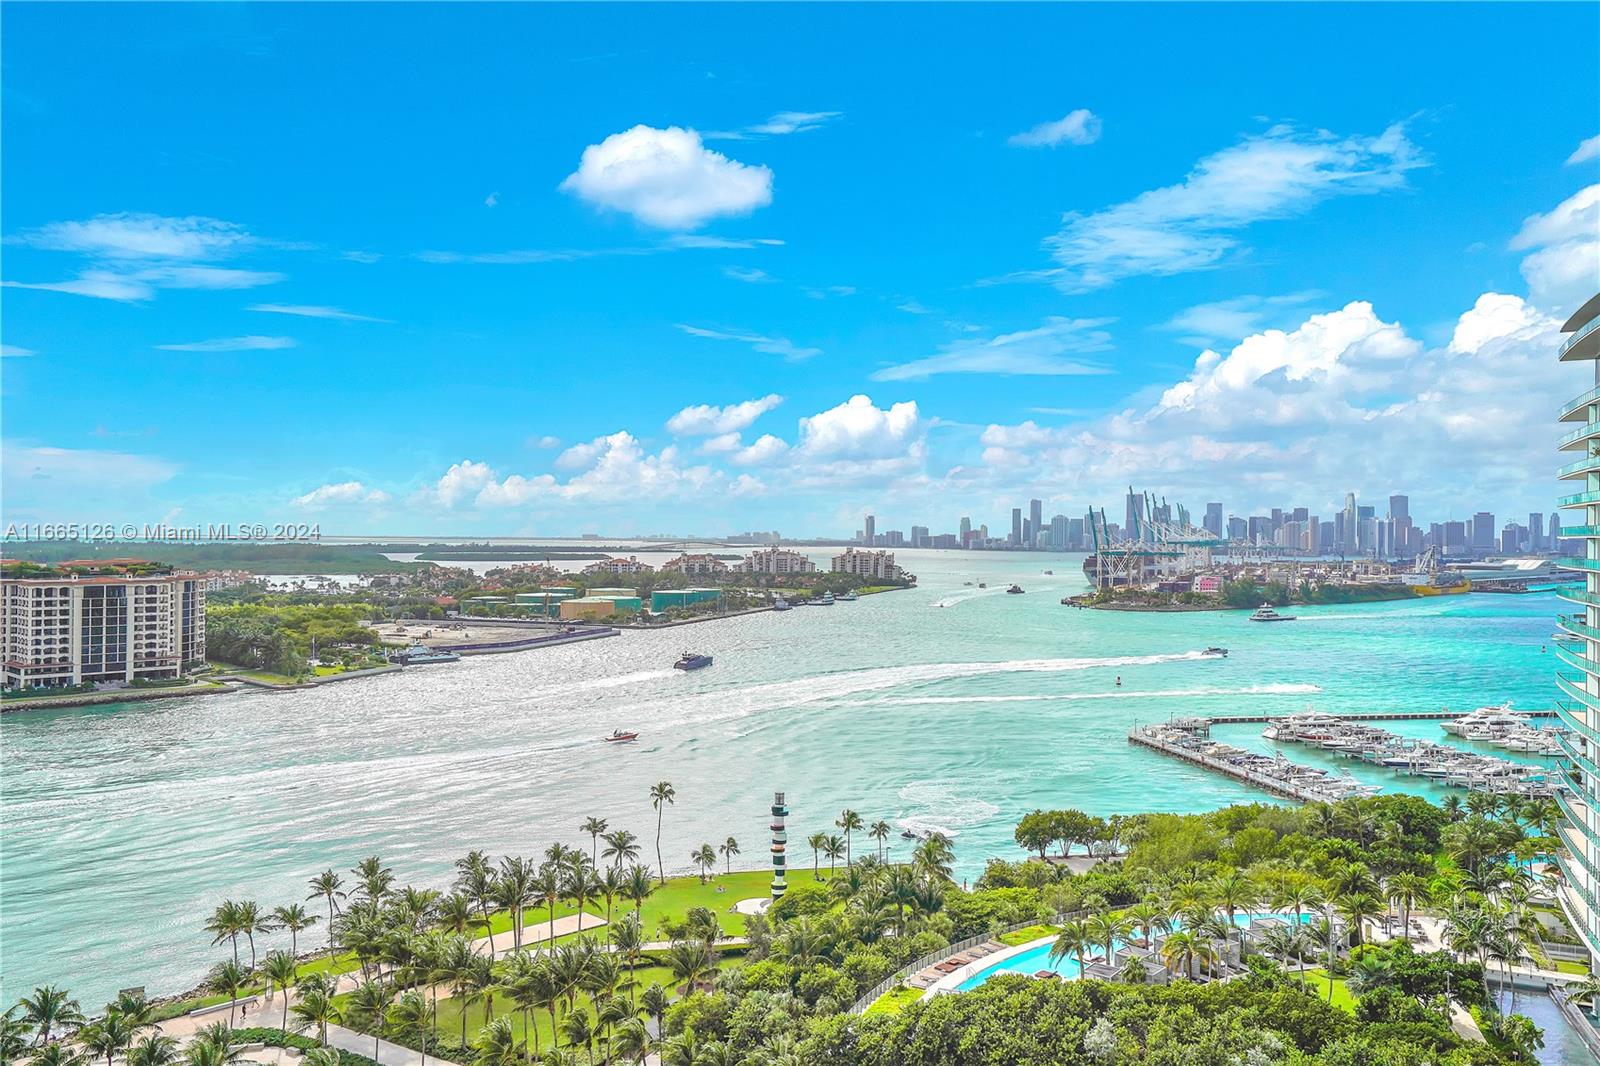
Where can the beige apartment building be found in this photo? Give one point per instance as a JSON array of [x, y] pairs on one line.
[[68, 628]]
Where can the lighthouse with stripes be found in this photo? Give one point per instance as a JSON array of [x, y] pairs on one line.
[[779, 846]]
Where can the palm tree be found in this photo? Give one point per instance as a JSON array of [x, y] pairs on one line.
[[13, 1037], [1232, 892], [1178, 952], [514, 890], [880, 832], [59, 1054], [251, 922], [280, 971], [849, 821], [577, 1030], [1407, 891], [729, 849], [107, 1036], [1106, 929], [475, 879], [833, 848], [133, 1007], [655, 1001], [294, 918], [409, 1017], [1071, 940], [546, 885], [368, 1007], [816, 842], [1356, 908], [454, 914], [579, 884], [1588, 988], [689, 962], [495, 1044], [627, 937], [633, 1040], [662, 795], [214, 1046], [934, 856], [375, 879], [153, 1050], [637, 886], [327, 885], [229, 978], [621, 846], [519, 980], [314, 1006], [594, 827], [225, 923], [705, 857], [49, 1008]]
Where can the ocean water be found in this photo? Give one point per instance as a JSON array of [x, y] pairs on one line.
[[946, 706]]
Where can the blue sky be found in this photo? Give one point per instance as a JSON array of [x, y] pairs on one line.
[[511, 269]]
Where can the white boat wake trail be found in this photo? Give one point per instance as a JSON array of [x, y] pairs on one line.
[[1285, 689]]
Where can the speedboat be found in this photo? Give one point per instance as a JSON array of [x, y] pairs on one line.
[[1265, 613], [620, 737], [691, 661], [1220, 653], [1015, 590]]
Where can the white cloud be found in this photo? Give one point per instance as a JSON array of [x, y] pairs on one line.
[[783, 346], [141, 236], [1078, 127], [492, 200], [667, 178], [1191, 225], [342, 493], [64, 475], [100, 284], [462, 480], [1038, 351], [1563, 267], [779, 125], [1589, 149], [548, 441], [12, 351], [752, 277], [232, 344], [1233, 319], [857, 429], [765, 450], [703, 420], [313, 311], [722, 444]]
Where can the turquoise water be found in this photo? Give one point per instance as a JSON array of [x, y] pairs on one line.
[[124, 825], [1035, 959]]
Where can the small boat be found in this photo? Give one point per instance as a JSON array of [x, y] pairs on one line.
[[1015, 590], [966, 582], [824, 600], [620, 737], [691, 661], [906, 834], [1265, 613], [848, 597], [781, 604], [1218, 653], [1050, 572], [983, 584]]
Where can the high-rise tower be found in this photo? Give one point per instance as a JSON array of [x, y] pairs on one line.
[[1578, 678]]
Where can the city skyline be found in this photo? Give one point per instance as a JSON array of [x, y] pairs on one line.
[[708, 292]]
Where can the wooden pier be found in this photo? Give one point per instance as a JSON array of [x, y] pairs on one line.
[[1277, 787]]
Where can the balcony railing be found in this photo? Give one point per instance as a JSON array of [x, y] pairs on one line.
[[1578, 436], [1574, 718], [1573, 624], [1578, 499], [1583, 596], [1577, 338], [1586, 764], [1574, 563], [1574, 818], [1577, 404], [1584, 465], [1578, 661]]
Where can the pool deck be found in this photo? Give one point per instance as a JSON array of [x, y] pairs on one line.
[[997, 952]]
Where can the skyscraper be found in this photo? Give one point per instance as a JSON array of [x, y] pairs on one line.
[[1483, 531], [1535, 531], [1016, 526], [1132, 528], [1347, 534], [1400, 507], [1036, 517], [869, 530], [1059, 539], [1214, 519], [966, 530], [1579, 705]]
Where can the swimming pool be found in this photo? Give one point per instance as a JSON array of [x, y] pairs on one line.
[[1037, 958]]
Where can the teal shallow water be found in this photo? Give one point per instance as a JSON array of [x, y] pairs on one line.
[[124, 825]]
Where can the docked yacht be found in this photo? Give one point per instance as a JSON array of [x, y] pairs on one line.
[[848, 596], [1484, 720], [1265, 613], [781, 604]]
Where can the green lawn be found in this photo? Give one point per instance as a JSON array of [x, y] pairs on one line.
[[254, 675], [1563, 966], [895, 1001], [1317, 980], [1032, 932]]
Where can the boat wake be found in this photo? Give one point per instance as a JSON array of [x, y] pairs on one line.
[[1285, 689], [943, 809]]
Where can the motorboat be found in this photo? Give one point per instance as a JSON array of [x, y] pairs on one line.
[[422, 655], [1265, 613], [692, 661], [983, 584], [1485, 720], [1050, 572], [1015, 590], [781, 604], [1218, 653], [824, 600], [620, 736], [906, 834], [848, 597]]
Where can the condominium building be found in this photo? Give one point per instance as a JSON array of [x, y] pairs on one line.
[[70, 625], [1578, 679], [866, 564], [701, 565], [618, 565], [776, 561]]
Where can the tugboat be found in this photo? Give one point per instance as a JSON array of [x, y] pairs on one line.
[[1218, 653], [692, 661], [620, 737], [1015, 590], [422, 655], [1265, 613]]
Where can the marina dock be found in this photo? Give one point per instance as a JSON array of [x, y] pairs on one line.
[[1267, 782], [1364, 716]]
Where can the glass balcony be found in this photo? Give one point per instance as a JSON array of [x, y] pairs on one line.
[[1577, 407], [1573, 659], [1574, 624], [1578, 499], [1572, 563], [1576, 595], [1573, 718], [1574, 816], [1578, 436], [1577, 338], [1583, 466], [1585, 763]]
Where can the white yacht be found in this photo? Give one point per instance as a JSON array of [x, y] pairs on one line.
[[1265, 613], [1485, 720]]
